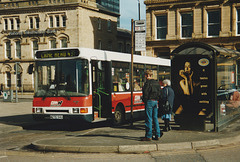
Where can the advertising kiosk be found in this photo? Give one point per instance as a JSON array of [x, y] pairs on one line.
[[205, 81]]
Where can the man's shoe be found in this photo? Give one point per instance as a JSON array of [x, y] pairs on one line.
[[145, 139], [169, 128], [157, 138]]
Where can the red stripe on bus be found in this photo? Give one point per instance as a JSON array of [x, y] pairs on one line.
[[63, 101]]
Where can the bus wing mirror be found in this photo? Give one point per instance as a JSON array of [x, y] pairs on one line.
[[100, 65]]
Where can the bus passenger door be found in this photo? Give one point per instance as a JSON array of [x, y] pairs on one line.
[[101, 88]]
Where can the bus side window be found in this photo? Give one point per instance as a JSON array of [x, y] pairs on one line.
[[138, 76], [115, 87], [120, 86], [136, 86], [120, 76]]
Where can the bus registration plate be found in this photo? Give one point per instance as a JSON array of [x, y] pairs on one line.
[[56, 116]]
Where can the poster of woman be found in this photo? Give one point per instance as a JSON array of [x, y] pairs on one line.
[[190, 78]]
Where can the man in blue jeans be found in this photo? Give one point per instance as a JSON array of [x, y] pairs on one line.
[[151, 94]]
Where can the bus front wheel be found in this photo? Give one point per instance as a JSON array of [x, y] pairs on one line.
[[119, 115]]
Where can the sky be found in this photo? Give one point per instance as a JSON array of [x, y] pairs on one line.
[[129, 10]]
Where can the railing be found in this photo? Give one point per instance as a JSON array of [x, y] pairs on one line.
[[99, 92], [24, 88]]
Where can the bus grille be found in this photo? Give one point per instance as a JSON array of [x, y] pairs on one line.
[[57, 111]]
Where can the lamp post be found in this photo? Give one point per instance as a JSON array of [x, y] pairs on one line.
[[16, 95], [132, 71], [139, 17]]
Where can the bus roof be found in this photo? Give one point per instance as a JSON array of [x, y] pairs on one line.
[[102, 55]]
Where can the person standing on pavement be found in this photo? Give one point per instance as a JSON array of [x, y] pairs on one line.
[[167, 94], [151, 95], [1, 90]]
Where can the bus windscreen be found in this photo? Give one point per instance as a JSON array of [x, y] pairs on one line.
[[62, 78]]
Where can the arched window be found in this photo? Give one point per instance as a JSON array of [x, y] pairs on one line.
[[53, 43], [18, 49], [99, 44], [8, 77], [64, 43], [110, 45], [18, 74], [34, 46], [8, 49], [7, 70], [99, 24], [109, 25]]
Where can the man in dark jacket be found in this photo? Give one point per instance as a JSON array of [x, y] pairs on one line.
[[151, 94]]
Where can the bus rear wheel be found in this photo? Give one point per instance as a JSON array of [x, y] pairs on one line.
[[119, 116]]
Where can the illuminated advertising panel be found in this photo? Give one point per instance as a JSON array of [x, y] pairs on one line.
[[192, 83]]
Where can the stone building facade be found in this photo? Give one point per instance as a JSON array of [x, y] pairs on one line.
[[124, 40], [171, 23], [30, 25]]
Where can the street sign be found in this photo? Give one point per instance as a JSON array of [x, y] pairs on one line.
[[140, 41], [140, 35], [7, 95], [140, 26]]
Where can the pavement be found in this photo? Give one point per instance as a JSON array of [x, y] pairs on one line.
[[124, 138]]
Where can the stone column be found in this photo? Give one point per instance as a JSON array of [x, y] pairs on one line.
[[171, 25], [225, 21], [234, 20], [197, 23]]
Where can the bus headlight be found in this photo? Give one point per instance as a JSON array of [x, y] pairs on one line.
[[39, 110], [75, 110]]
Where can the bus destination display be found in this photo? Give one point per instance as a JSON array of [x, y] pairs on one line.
[[57, 53]]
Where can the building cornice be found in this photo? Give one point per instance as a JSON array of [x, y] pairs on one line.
[[25, 7], [36, 9], [168, 4], [6, 61], [186, 1], [221, 41]]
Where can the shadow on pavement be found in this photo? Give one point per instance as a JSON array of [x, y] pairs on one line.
[[140, 125], [27, 123], [112, 136]]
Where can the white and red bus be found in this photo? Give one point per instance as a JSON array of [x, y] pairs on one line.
[[81, 83]]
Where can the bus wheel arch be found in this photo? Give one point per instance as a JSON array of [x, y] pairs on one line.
[[119, 114]]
